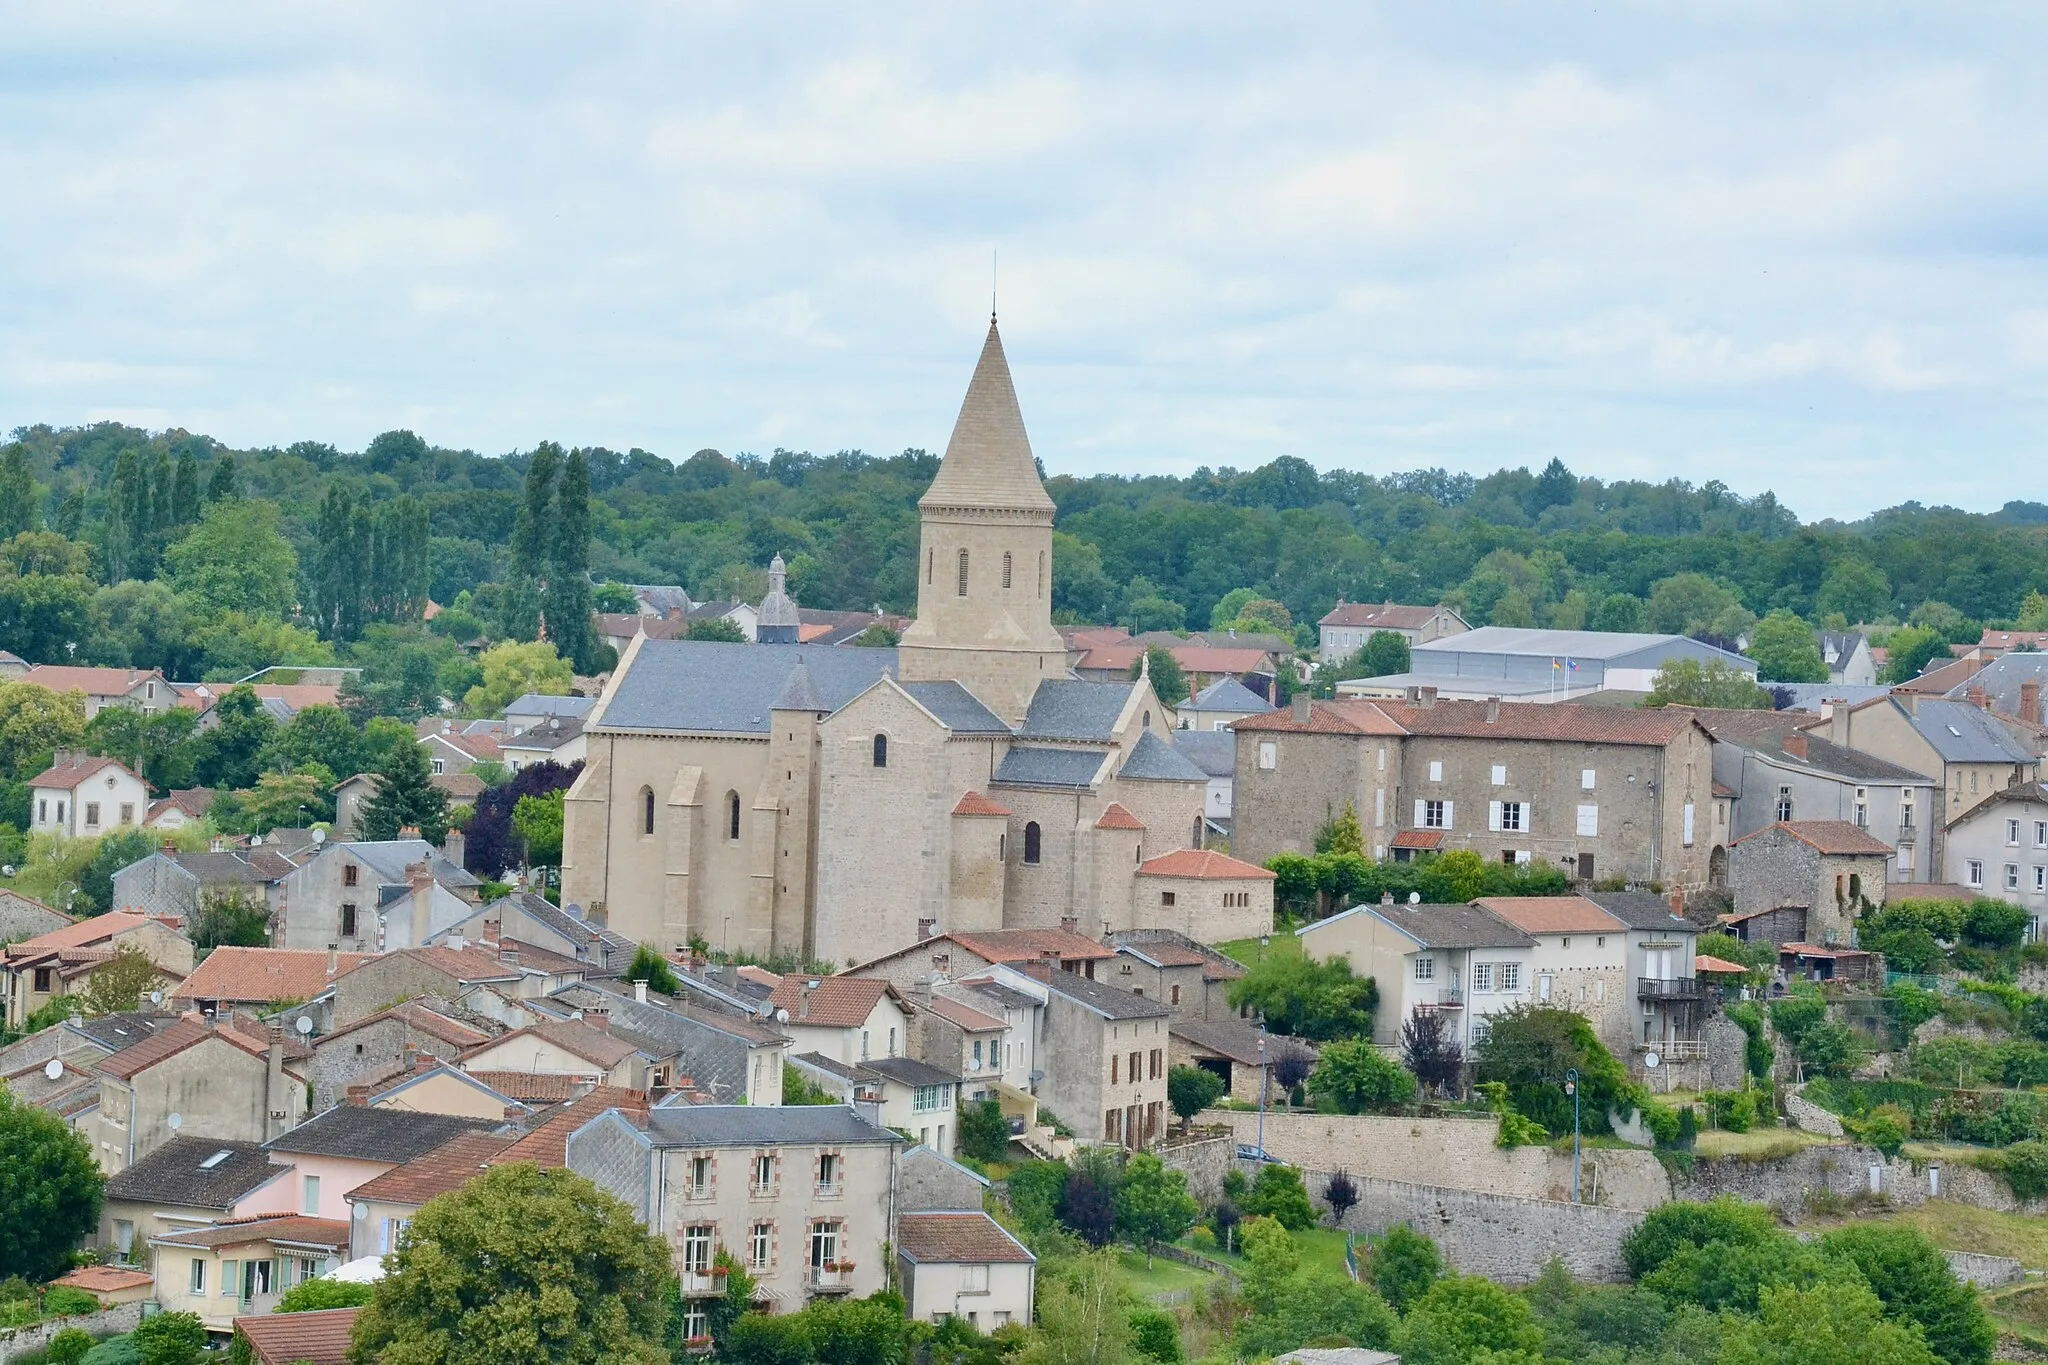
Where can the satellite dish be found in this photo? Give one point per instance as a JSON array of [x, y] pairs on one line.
[[781, 1016], [362, 1210], [577, 1015], [1652, 1060], [305, 1025], [320, 837], [156, 997], [175, 1122], [53, 1068], [1415, 898]]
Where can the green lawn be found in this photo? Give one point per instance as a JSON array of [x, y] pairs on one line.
[[1322, 1248], [1165, 1277], [1965, 1227], [1246, 950], [1758, 1144]]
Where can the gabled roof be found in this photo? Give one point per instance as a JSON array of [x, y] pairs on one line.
[[1235, 1039], [1381, 616], [1203, 863], [417, 1016], [1026, 945], [908, 1071], [263, 974], [1565, 721], [988, 461], [85, 933], [1029, 765], [543, 738], [1962, 733], [1228, 694], [1171, 948], [1437, 926], [1552, 914], [66, 775], [974, 803], [1070, 709], [530, 1087], [708, 687], [389, 859], [320, 1337], [448, 1167], [833, 1002], [597, 1046], [289, 1229], [1154, 759], [1641, 910], [1107, 1001], [1115, 816], [548, 1145], [741, 1125], [1836, 837], [467, 965], [94, 682], [962, 1016], [957, 708], [196, 1172], [104, 1279], [542, 704], [168, 1042], [355, 1132], [969, 1237]]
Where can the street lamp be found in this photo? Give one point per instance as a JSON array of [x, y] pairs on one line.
[[1571, 1087], [1265, 1074], [1264, 940]]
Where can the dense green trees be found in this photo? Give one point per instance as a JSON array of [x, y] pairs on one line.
[[49, 1190]]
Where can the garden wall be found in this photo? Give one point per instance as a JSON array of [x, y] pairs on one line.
[[1205, 1159], [1500, 1237], [21, 1341], [1843, 1171]]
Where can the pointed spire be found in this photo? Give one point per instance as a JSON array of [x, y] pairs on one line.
[[799, 693], [988, 462]]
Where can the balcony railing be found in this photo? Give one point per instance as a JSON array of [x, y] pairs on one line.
[[832, 1278], [1678, 1049], [702, 1282], [1447, 998], [1670, 988]]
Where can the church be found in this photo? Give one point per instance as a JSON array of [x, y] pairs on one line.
[[840, 803]]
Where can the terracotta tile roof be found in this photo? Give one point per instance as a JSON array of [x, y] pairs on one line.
[[966, 1017], [529, 1087], [462, 786], [168, 1042], [1817, 950], [320, 1337], [1203, 863], [974, 803], [465, 964], [1707, 962], [448, 1167], [69, 775], [292, 1228], [836, 1002], [1115, 816], [1836, 837], [193, 801], [1165, 954], [94, 682], [1385, 615], [957, 1238], [427, 1021], [760, 976], [1344, 717], [548, 1145], [593, 1045], [264, 974], [1023, 945], [105, 1279], [1419, 838], [1543, 720], [1552, 914], [84, 933]]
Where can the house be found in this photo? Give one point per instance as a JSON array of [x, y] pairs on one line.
[[585, 1050], [431, 1086], [847, 1018], [62, 961], [145, 690], [1962, 746], [185, 806], [800, 1194], [1662, 948], [389, 1040], [319, 1337], [232, 977], [552, 741], [530, 920], [12, 666], [818, 627], [1777, 770], [76, 1044], [1022, 1014], [963, 1264], [1205, 895], [1459, 961], [2008, 686], [82, 797], [372, 897], [223, 1078], [1202, 664], [739, 613], [1346, 627], [24, 917], [725, 1056], [535, 708], [442, 970], [382, 1207], [1237, 1052], [964, 1041], [351, 795], [168, 882], [2000, 848], [1110, 1047], [112, 1285], [1837, 871], [191, 1182], [232, 1270], [959, 955], [1192, 978], [1516, 663], [351, 1144], [915, 1097], [617, 628], [1847, 655], [1598, 791], [1220, 704], [1998, 642], [1215, 753], [451, 753], [1580, 959]]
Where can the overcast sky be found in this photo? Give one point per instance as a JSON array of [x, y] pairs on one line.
[[1795, 247]]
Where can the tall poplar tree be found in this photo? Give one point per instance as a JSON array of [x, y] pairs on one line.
[[185, 492], [222, 486], [526, 577], [568, 590], [17, 493]]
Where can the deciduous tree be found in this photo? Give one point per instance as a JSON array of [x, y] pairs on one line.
[[50, 1189], [1153, 1204]]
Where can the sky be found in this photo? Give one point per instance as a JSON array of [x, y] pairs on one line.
[[1786, 246]]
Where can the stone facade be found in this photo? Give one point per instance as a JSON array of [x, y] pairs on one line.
[[1776, 867], [339, 1062], [215, 1087], [1506, 1239]]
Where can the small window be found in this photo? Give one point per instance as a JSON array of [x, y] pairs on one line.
[[92, 814], [198, 1281], [349, 874], [1784, 804], [1006, 568], [2012, 876], [1269, 756], [1031, 843], [1482, 976], [1975, 873], [1433, 815], [1585, 779], [1436, 770], [127, 812], [42, 981], [2012, 833], [1500, 774], [732, 815], [2041, 834], [881, 751], [764, 1170], [348, 919], [1425, 968], [309, 1203], [1166, 898], [440, 766], [963, 573], [647, 810], [1041, 573]]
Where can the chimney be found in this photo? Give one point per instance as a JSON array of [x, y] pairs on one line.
[[508, 955], [1678, 902], [424, 1063], [420, 878], [333, 958], [2030, 701], [1302, 712], [1421, 695], [1386, 898], [925, 927], [455, 846], [1070, 923], [1795, 745], [169, 846], [409, 1055], [359, 1096], [803, 997], [601, 1020], [408, 831], [274, 1084], [640, 992], [1493, 710], [1839, 722], [1979, 698]]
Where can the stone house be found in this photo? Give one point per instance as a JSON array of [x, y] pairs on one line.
[[351, 1144], [191, 1182], [36, 971], [383, 1206], [385, 979], [725, 1056], [1999, 848], [801, 1195], [1965, 748], [963, 1040], [232, 978], [963, 1264], [24, 917], [847, 1018], [1834, 869], [1598, 791], [1672, 1003], [1215, 753], [585, 1050], [77, 1044], [388, 1041], [1459, 961], [1191, 978], [1580, 959], [1110, 1048], [372, 897], [958, 955], [1208, 896], [523, 917], [218, 1079], [144, 690], [1023, 1016], [1346, 627], [168, 882], [82, 797], [1237, 1052], [239, 1269]]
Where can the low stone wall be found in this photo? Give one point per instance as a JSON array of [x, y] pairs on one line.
[[1205, 1158], [21, 1341], [1450, 1153], [1844, 1170], [1810, 1117], [1497, 1236], [1986, 1272]]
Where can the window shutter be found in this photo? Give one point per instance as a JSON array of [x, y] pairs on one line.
[[1418, 815], [1493, 815], [1448, 823]]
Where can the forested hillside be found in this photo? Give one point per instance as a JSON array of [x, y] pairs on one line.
[[314, 546]]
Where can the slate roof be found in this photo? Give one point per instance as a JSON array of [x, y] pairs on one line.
[[703, 686], [1000, 996], [1809, 696], [1154, 759], [177, 1173], [1107, 1001], [909, 1071], [962, 1016], [960, 710], [1030, 766], [1170, 947], [2001, 679], [117, 1031], [831, 1066], [359, 1133], [1213, 751], [540, 704], [1067, 708], [240, 867], [1541, 720], [1440, 926], [263, 974], [1203, 863], [320, 1337], [448, 1167], [1552, 914], [963, 1238], [1640, 910], [799, 693], [570, 925], [1384, 615], [836, 1002], [741, 1125], [1837, 837], [543, 738], [1765, 733], [1962, 733], [1340, 717], [389, 858], [1228, 694], [712, 1045]]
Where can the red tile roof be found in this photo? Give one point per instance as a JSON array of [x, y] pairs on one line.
[[1024, 945], [974, 803], [418, 1016], [1385, 615], [1834, 837], [105, 1279], [593, 1045], [448, 1167], [957, 1238], [263, 974], [1203, 863], [837, 1002], [548, 1145], [1115, 816], [1543, 720], [67, 775], [1553, 914], [94, 682], [1707, 962], [320, 1337], [84, 934], [1345, 717], [953, 1012], [529, 1087], [1419, 838], [291, 1228]]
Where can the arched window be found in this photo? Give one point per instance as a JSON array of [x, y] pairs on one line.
[[1006, 568], [881, 751], [1198, 833], [1002, 847], [963, 573], [732, 815], [1148, 720], [1031, 842], [647, 810]]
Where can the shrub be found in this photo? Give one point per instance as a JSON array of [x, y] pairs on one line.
[[1758, 1053], [310, 1295], [1279, 1194], [1404, 1265], [69, 1346], [1355, 1077], [65, 1302], [1682, 1223], [1156, 1335], [120, 1350], [1884, 1131], [1990, 923], [170, 1339], [2026, 1168]]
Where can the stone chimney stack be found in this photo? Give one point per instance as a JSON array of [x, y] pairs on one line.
[[419, 877], [455, 846], [1840, 720], [1795, 745], [640, 992], [1302, 708], [333, 958], [1678, 902], [601, 1020], [1979, 698], [2030, 701], [275, 1107], [1493, 710]]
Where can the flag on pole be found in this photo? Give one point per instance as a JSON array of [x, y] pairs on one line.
[[1555, 665]]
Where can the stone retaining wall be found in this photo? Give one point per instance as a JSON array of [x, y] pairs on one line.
[[1807, 1115], [1986, 1272], [1502, 1238], [1843, 1170], [1205, 1158], [21, 1341]]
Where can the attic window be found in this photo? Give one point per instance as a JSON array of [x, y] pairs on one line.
[[215, 1160], [1957, 733]]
